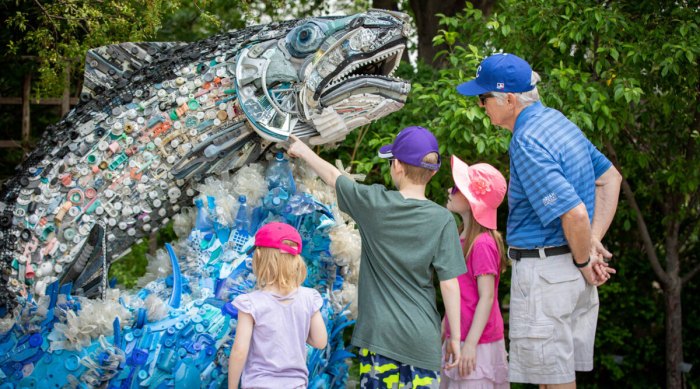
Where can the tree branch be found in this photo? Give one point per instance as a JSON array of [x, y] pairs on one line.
[[641, 224], [690, 275]]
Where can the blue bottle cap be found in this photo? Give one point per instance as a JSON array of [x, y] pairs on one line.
[[229, 309], [36, 340]]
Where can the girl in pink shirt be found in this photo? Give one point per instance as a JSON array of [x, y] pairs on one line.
[[278, 319], [479, 190]]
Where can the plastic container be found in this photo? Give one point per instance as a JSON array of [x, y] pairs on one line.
[[279, 174]]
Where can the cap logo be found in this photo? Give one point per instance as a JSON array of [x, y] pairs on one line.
[[500, 85], [478, 70]]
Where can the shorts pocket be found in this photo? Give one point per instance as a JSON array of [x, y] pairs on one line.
[[527, 343], [519, 291], [561, 291]]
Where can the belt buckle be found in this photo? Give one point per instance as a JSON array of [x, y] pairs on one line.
[[516, 254]]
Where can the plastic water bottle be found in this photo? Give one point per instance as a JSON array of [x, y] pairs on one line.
[[276, 200], [242, 224], [203, 222], [279, 174], [242, 221]]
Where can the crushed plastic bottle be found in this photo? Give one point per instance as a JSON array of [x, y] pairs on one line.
[[275, 200], [302, 204], [279, 174]]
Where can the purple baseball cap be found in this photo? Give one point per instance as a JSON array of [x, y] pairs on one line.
[[504, 72], [411, 145]]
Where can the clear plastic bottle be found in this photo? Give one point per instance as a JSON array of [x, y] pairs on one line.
[[275, 200], [242, 225], [203, 222], [242, 221], [279, 174]]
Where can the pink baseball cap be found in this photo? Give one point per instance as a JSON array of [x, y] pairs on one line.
[[484, 186], [274, 234]]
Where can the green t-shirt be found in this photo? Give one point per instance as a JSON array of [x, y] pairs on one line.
[[403, 242]]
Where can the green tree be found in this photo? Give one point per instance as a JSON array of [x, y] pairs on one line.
[[58, 32], [626, 72]]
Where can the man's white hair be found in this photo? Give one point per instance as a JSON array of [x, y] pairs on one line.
[[525, 98]]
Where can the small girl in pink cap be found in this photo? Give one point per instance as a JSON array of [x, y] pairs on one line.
[[278, 319], [479, 190]]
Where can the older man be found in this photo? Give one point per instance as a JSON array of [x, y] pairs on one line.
[[562, 198]]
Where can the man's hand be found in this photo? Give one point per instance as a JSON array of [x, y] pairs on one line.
[[452, 353], [597, 272], [599, 251], [467, 363]]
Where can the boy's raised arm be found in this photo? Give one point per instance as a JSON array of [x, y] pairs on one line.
[[328, 173]]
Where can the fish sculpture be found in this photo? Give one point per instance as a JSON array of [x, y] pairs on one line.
[[176, 331], [155, 119]]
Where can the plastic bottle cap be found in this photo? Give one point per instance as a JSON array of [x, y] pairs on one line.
[[72, 362]]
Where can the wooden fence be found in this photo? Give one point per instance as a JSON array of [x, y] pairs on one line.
[[65, 102]]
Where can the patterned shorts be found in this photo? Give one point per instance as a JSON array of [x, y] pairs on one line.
[[377, 371]]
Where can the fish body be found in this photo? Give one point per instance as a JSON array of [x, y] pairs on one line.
[[155, 119]]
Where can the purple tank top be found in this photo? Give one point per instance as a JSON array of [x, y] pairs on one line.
[[277, 355]]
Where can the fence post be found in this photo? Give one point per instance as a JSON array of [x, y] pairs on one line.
[[65, 102], [26, 88]]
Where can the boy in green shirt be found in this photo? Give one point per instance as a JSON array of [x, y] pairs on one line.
[[405, 238]]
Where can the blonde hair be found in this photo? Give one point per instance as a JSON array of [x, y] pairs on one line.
[[420, 175], [474, 230], [275, 267]]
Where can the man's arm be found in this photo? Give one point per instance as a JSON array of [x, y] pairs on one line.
[[607, 191], [328, 173], [578, 234]]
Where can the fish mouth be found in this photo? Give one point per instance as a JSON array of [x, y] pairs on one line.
[[381, 65]]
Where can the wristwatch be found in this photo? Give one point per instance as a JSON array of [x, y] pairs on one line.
[[581, 265]]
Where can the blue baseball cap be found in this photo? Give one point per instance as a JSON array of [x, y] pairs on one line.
[[411, 145], [503, 72]]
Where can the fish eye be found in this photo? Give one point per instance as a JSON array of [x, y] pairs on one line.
[[304, 39]]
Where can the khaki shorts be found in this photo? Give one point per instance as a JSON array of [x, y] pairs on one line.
[[553, 316]]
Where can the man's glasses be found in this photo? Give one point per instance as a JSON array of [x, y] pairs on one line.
[[483, 97], [454, 190]]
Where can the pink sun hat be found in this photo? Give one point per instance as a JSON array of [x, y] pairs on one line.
[[484, 186]]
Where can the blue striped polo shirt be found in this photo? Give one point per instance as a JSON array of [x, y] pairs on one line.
[[553, 168]]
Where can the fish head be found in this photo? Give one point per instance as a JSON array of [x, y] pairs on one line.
[[325, 77]]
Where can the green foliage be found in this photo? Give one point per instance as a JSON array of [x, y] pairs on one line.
[[129, 268], [61, 31]]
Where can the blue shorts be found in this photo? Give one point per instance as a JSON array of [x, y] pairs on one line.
[[377, 371]]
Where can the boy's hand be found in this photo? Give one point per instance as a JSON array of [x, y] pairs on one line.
[[295, 147], [298, 149], [452, 354]]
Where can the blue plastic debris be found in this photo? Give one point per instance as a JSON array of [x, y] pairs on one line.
[[189, 343]]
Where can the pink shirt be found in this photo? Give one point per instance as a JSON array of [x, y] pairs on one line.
[[277, 355], [483, 259]]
